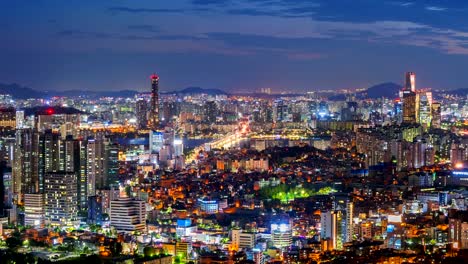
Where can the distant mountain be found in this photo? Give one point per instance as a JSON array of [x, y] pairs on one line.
[[20, 92], [199, 90], [457, 92], [94, 94], [388, 90]]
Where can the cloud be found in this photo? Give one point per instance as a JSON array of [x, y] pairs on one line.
[[144, 28], [278, 8], [435, 8], [123, 9], [83, 34], [302, 56], [402, 4]]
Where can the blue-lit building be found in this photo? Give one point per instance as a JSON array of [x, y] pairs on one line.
[[95, 210], [156, 141], [323, 112], [459, 178], [208, 206]]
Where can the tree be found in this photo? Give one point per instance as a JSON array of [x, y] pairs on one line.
[[13, 242], [149, 252]]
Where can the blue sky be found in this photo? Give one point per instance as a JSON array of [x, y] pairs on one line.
[[236, 45]]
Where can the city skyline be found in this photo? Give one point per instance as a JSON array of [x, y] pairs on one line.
[[233, 45]]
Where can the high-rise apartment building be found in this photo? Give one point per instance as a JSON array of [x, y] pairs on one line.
[[61, 199], [26, 162], [95, 165]]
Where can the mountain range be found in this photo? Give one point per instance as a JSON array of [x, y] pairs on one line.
[[387, 89]]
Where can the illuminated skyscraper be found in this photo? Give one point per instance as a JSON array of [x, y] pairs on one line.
[[410, 99], [436, 115], [95, 165], [425, 104], [410, 82], [142, 113], [153, 122]]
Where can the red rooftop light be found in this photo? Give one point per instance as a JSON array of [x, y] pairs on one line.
[[50, 111], [154, 76]]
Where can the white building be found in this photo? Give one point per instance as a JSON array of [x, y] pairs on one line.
[[281, 235], [244, 240], [128, 215], [34, 210], [61, 199]]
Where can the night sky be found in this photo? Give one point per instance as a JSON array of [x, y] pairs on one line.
[[235, 45]]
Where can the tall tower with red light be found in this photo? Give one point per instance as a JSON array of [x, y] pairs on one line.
[[153, 120]]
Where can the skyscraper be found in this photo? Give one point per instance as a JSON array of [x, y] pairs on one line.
[[211, 112], [142, 113], [410, 99], [425, 108], [153, 122], [95, 165], [26, 162], [436, 114], [410, 82]]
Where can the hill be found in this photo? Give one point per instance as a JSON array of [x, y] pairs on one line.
[[198, 90], [20, 92], [388, 90]]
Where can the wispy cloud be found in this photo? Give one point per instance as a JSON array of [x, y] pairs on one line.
[[401, 3], [124, 9], [144, 28], [435, 8], [83, 34]]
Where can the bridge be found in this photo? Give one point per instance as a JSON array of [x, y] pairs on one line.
[[228, 141]]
